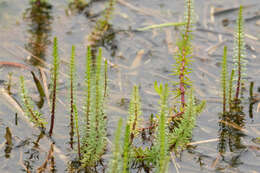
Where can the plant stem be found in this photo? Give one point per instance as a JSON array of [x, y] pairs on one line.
[[54, 80], [72, 68], [183, 54], [239, 58]]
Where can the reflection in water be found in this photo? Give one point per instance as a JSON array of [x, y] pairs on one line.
[[252, 100], [9, 143], [39, 19], [230, 136], [78, 6]]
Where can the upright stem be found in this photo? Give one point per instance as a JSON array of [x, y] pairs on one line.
[[72, 68], [53, 106], [54, 80], [239, 47], [183, 53]]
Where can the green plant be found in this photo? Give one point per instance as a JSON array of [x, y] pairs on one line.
[[54, 80], [163, 130], [33, 114], [134, 113], [115, 165], [121, 150], [181, 135], [239, 52], [183, 57], [93, 142], [77, 129], [126, 149]]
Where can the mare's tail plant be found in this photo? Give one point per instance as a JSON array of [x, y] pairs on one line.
[[93, 142], [126, 149], [54, 80], [116, 161], [34, 115], [77, 129], [239, 53], [183, 57], [181, 135], [134, 113], [162, 131], [121, 151]]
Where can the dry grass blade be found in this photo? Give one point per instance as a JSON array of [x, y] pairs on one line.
[[203, 141], [138, 59], [235, 126], [215, 162], [15, 105], [14, 64], [22, 164], [45, 86], [175, 163], [48, 159], [258, 107], [169, 41]]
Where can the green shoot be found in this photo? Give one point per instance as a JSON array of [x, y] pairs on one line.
[[134, 113], [183, 57], [54, 82], [239, 52], [115, 162]]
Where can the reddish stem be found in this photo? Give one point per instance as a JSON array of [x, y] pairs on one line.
[[183, 53], [53, 104], [71, 112]]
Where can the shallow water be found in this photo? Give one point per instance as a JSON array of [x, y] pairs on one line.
[[135, 58]]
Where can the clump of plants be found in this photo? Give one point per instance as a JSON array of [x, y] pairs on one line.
[[93, 137], [144, 148], [231, 93], [167, 132]]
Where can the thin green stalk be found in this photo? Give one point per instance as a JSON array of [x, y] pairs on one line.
[[126, 148], [134, 112], [224, 78], [183, 56], [230, 89], [184, 52], [77, 129], [239, 51], [116, 153], [54, 80], [88, 86]]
